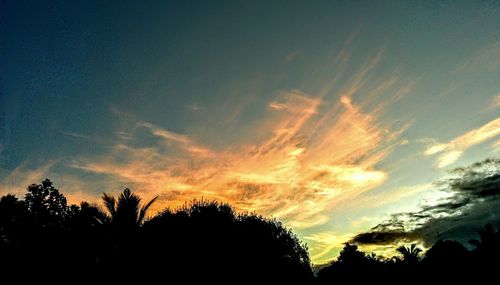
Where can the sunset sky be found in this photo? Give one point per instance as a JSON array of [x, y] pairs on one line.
[[327, 115]]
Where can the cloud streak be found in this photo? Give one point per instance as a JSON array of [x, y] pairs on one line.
[[450, 152], [484, 59], [16, 181]]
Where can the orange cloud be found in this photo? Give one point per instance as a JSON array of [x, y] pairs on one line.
[[312, 159]]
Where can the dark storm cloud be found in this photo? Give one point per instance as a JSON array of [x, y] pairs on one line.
[[383, 237], [474, 201]]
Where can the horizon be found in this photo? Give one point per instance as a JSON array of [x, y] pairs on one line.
[[332, 117]]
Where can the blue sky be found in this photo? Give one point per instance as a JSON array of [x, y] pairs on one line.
[[329, 115]]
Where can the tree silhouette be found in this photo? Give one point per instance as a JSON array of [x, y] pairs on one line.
[[410, 253], [487, 237], [352, 265], [351, 255], [12, 211], [486, 255], [87, 215], [123, 236], [445, 258], [126, 211], [46, 203], [447, 251], [207, 241]]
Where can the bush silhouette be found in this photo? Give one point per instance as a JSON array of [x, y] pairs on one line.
[[210, 241]]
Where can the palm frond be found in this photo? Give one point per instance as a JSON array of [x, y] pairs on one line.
[[109, 203], [145, 208]]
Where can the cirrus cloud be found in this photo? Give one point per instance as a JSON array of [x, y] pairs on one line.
[[451, 151], [298, 173]]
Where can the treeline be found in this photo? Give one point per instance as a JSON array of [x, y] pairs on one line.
[[202, 241], [43, 237], [446, 261]]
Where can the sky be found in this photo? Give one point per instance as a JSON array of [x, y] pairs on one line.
[[331, 116]]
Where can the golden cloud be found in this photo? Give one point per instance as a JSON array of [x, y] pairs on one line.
[[317, 155]]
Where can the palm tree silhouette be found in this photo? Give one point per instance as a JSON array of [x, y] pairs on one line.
[[92, 214], [486, 237], [126, 211], [410, 253]]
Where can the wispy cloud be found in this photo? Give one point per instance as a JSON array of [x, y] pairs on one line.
[[315, 154], [193, 107], [450, 152], [77, 135], [325, 245], [484, 59], [167, 135], [390, 196], [496, 101], [291, 56], [496, 146], [16, 181]]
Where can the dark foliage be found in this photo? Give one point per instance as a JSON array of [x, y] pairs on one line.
[[43, 238], [204, 241], [219, 244], [446, 261]]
